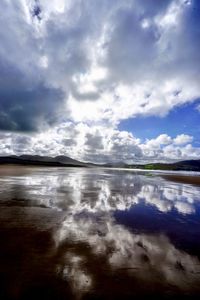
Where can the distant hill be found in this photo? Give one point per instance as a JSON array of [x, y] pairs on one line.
[[42, 161], [64, 161], [186, 165]]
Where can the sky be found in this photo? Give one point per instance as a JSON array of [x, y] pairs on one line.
[[100, 80]]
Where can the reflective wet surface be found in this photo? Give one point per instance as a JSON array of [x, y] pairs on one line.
[[76, 233]]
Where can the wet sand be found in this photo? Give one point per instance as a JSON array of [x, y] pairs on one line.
[[96, 234], [27, 264], [195, 180], [33, 266]]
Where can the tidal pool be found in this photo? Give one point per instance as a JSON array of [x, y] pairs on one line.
[[87, 233]]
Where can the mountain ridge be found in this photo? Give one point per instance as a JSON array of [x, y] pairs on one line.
[[41, 160], [65, 161]]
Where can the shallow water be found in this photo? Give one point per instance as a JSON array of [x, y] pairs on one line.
[[76, 233]]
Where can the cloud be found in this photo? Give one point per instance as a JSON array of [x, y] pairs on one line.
[[94, 141], [77, 47], [141, 81], [162, 139], [181, 152], [23, 109], [198, 107], [28, 101], [167, 148], [99, 144], [96, 64], [183, 139]]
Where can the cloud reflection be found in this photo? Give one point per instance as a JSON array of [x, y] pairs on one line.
[[89, 243], [73, 272], [151, 258], [94, 191]]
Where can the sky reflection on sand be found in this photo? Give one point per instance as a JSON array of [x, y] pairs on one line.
[[100, 190], [93, 245]]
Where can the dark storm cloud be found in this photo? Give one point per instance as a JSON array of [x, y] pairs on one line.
[[27, 110], [25, 106], [28, 101], [36, 10]]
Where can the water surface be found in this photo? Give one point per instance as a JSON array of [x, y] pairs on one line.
[[76, 233]]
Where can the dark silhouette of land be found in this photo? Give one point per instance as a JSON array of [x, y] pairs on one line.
[[64, 161]]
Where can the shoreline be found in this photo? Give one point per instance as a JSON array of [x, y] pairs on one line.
[[186, 177]]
